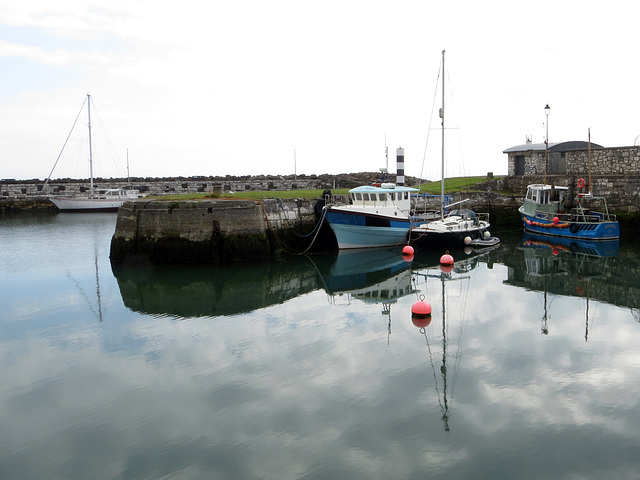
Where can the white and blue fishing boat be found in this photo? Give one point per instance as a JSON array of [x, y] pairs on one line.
[[376, 216], [546, 210]]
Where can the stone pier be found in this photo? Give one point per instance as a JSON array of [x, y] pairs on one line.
[[213, 231]]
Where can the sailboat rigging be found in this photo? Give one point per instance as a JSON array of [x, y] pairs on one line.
[[100, 200], [461, 226]]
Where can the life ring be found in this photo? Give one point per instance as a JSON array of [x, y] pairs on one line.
[[579, 290], [581, 183]]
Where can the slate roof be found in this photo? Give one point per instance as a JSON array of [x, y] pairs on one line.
[[553, 147]]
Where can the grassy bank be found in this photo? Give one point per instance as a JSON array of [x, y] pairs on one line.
[[451, 185]]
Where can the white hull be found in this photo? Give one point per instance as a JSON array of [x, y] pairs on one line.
[[70, 203], [110, 201]]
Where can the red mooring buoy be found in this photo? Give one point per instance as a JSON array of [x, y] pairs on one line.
[[407, 250], [446, 259], [421, 313], [421, 308]]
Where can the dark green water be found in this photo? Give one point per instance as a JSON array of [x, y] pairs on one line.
[[312, 367]]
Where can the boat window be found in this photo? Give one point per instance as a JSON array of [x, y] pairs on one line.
[[382, 197], [365, 197], [393, 196], [358, 196]]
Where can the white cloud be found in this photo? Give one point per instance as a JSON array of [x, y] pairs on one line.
[[235, 87]]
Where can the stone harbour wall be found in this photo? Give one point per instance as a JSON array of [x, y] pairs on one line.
[[212, 231], [167, 186]]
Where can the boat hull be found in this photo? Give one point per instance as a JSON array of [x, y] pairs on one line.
[[69, 204], [357, 229], [602, 230]]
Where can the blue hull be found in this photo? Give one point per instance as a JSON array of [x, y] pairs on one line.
[[599, 248], [360, 230], [604, 230]]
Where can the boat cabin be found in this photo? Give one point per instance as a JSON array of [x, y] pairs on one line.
[[545, 198], [385, 195]]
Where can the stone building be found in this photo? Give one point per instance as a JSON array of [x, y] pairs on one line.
[[572, 158], [612, 172]]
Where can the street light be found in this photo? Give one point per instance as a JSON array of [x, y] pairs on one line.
[[546, 143]]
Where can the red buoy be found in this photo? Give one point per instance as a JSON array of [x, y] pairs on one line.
[[407, 250], [556, 219], [446, 259], [421, 314], [421, 308]]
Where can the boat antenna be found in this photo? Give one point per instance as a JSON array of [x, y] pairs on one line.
[[386, 152], [128, 177], [90, 150]]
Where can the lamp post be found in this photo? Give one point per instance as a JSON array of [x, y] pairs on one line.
[[546, 144]]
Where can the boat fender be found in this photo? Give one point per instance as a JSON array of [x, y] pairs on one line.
[[581, 183], [317, 208]]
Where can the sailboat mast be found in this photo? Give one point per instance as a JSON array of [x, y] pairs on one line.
[[442, 161], [90, 150]]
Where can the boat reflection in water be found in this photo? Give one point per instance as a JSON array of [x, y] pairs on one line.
[[567, 267], [372, 275], [448, 299], [383, 276]]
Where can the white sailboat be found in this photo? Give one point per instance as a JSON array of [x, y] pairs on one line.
[[103, 200], [460, 226]]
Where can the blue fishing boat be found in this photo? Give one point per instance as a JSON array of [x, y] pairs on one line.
[[546, 210], [377, 215]]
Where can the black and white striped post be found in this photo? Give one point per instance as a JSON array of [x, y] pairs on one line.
[[400, 167]]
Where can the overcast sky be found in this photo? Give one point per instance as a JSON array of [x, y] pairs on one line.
[[235, 87]]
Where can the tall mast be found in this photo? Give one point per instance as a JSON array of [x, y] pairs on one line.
[[442, 166], [90, 150]]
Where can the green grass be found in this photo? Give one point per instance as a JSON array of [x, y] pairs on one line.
[[451, 185]]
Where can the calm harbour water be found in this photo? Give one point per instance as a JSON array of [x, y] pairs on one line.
[[311, 367]]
